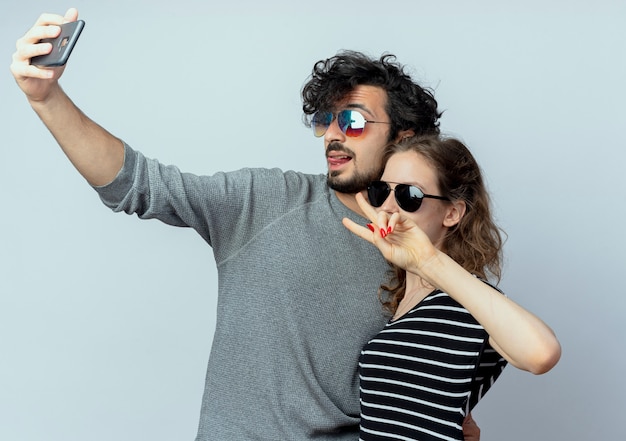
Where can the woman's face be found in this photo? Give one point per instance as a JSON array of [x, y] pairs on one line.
[[434, 216]]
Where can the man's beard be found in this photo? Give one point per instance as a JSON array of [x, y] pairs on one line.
[[357, 183], [359, 180]]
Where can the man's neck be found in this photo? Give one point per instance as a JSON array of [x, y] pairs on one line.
[[349, 200]]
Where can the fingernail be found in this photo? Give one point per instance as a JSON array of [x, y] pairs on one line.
[[383, 233], [371, 227], [389, 229]]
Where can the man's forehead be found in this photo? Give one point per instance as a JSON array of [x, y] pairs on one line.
[[364, 97], [364, 92]]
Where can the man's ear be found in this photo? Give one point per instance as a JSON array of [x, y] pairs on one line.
[[405, 134], [454, 213]]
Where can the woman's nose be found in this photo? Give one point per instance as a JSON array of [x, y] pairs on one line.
[[390, 205]]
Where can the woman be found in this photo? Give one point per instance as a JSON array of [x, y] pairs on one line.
[[451, 333]]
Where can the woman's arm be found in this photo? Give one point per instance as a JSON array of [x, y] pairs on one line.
[[519, 336]]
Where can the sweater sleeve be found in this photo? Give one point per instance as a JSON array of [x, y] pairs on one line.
[[148, 189], [226, 209]]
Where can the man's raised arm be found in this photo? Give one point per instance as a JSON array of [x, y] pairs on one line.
[[96, 154]]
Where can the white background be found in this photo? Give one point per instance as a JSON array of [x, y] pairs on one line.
[[106, 321]]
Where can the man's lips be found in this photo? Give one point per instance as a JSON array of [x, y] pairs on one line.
[[337, 157], [337, 160]]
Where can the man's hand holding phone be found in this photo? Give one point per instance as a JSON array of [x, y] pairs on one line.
[[37, 81], [96, 153], [62, 45]]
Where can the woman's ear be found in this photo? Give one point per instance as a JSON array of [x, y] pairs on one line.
[[454, 213]]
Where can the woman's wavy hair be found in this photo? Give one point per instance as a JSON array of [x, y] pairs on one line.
[[476, 241], [409, 106]]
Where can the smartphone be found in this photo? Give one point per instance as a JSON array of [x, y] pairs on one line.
[[61, 46]]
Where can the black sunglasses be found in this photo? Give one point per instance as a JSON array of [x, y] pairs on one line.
[[408, 197]]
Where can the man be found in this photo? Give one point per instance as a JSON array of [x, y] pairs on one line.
[[296, 297]]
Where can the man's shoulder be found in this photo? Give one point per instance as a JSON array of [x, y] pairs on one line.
[[288, 178], [312, 177]]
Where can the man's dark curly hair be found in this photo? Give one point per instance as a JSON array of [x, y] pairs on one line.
[[409, 106]]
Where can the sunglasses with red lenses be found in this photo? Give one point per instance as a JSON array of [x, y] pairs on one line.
[[350, 122], [408, 197]]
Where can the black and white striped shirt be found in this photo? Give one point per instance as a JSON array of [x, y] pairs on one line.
[[424, 372]]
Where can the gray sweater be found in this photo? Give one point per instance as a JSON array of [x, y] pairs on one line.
[[296, 295]]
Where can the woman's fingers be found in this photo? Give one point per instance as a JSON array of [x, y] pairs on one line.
[[361, 231], [369, 211]]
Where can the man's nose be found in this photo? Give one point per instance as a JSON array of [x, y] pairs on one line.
[[334, 133]]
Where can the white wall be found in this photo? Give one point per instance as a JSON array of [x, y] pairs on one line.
[[106, 321]]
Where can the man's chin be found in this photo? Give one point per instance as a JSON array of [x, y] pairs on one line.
[[351, 186]]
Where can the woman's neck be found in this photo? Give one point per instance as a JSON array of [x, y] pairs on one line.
[[416, 290]]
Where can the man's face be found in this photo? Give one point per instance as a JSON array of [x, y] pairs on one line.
[[353, 162]]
